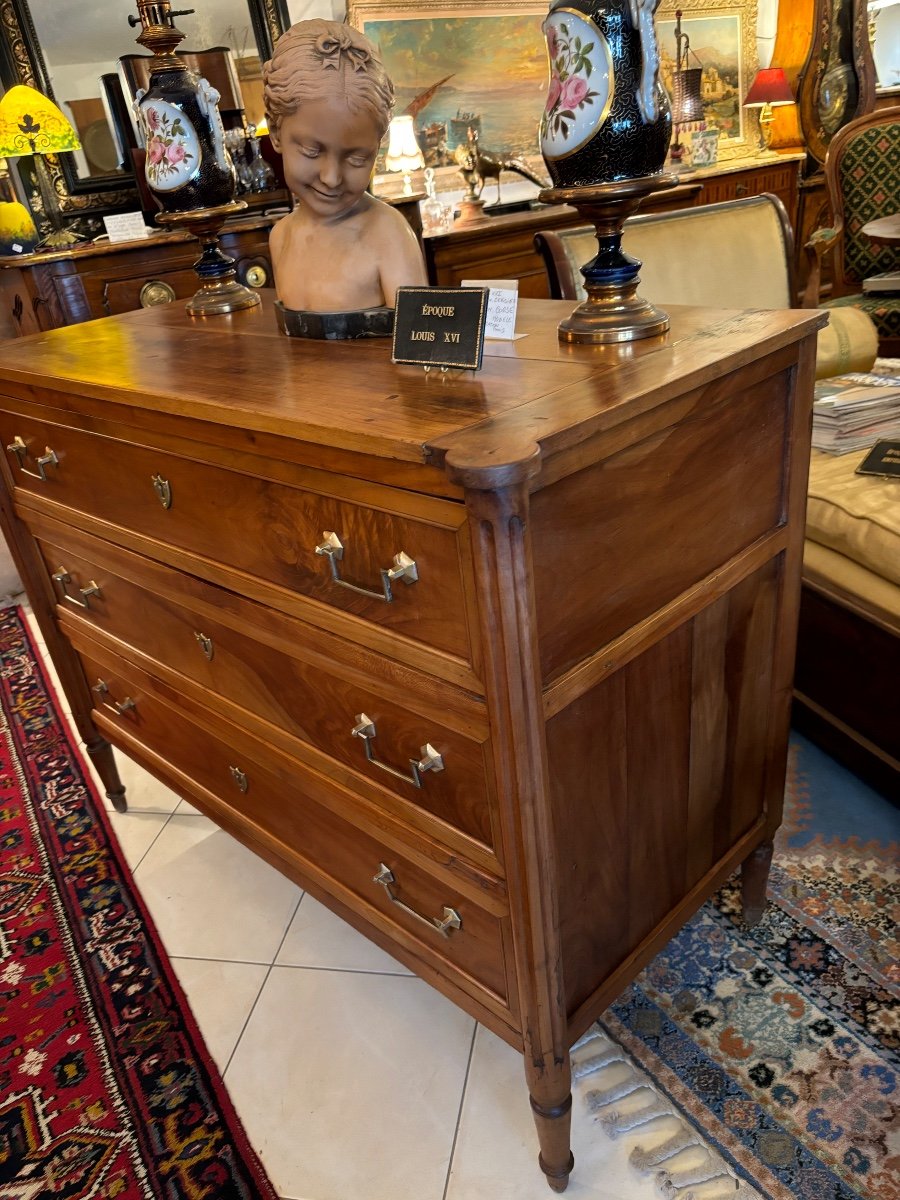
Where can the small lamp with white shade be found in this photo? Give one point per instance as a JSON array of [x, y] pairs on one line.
[[403, 152]]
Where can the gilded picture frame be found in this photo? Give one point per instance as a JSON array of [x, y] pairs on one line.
[[485, 59], [722, 35]]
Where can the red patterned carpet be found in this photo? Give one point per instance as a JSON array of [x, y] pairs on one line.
[[106, 1089]]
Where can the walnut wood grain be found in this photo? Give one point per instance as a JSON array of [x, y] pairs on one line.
[[614, 536]]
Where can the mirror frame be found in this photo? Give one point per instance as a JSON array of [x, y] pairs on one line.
[[22, 61]]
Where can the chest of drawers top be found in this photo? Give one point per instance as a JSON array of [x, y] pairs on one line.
[[347, 408]]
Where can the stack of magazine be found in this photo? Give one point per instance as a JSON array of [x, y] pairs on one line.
[[854, 411]]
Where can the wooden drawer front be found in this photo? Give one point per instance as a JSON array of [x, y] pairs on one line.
[[257, 526], [281, 803], [318, 706], [148, 288]]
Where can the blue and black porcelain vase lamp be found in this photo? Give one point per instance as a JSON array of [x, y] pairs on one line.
[[604, 137], [188, 168]]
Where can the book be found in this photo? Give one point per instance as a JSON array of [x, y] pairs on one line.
[[853, 411], [888, 281]]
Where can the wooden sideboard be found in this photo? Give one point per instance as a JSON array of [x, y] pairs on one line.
[[100, 279], [503, 246], [496, 665]]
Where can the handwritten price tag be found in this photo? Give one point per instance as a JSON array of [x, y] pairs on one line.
[[503, 300]]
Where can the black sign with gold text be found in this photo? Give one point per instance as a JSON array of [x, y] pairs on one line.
[[882, 459], [440, 327]]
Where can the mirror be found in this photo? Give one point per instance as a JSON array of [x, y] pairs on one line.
[[64, 50]]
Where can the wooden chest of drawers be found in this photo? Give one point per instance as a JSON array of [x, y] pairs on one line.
[[498, 666]]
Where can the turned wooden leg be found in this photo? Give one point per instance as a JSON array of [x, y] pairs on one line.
[[101, 755], [754, 877], [553, 1118]]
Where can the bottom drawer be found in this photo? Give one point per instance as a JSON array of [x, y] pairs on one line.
[[294, 807]]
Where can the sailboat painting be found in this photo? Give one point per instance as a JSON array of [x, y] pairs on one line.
[[461, 67]]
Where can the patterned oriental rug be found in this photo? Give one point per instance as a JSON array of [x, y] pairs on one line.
[[106, 1089], [764, 1062]]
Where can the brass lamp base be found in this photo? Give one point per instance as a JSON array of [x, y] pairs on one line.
[[220, 292], [613, 311]]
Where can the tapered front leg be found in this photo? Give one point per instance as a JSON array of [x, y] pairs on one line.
[[754, 878], [551, 1104], [101, 755]]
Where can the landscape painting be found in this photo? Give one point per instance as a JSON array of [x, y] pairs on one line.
[[459, 67], [722, 36]]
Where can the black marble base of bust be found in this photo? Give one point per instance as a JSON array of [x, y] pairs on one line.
[[335, 326]]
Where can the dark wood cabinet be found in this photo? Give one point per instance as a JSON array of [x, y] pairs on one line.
[[503, 247], [45, 291]]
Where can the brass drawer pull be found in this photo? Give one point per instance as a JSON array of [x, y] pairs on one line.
[[239, 778], [404, 568], [101, 687], [451, 919], [163, 490], [47, 459], [62, 579], [430, 760], [156, 291], [206, 645]]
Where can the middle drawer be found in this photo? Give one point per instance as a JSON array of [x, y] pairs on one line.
[[413, 737]]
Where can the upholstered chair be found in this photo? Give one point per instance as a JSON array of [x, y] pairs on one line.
[[736, 254], [862, 174]]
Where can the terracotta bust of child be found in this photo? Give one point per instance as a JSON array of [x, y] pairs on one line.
[[328, 103]]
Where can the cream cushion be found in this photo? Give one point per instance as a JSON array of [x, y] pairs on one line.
[[721, 258], [852, 586], [857, 516]]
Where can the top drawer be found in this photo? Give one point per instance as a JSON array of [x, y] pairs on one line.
[[387, 556]]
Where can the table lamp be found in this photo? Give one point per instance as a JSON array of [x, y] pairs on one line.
[[32, 124], [769, 89], [403, 152]]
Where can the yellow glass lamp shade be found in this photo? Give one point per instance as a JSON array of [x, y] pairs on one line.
[[18, 234], [32, 124]]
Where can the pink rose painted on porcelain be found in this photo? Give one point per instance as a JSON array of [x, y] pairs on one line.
[[575, 49], [574, 91], [553, 92], [173, 150]]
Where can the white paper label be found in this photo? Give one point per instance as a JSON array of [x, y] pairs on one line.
[[125, 227], [503, 300]]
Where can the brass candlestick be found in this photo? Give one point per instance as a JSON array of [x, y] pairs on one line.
[[613, 311]]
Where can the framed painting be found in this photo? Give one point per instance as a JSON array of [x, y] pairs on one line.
[[474, 64], [722, 36]]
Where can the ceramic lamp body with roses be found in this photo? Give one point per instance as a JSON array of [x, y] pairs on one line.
[[187, 165], [607, 117]]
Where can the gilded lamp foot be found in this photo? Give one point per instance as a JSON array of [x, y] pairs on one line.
[[613, 311], [220, 292]]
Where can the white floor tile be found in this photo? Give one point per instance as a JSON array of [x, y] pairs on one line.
[[211, 897], [221, 996], [185, 809], [143, 792], [136, 832], [317, 938], [497, 1148], [349, 1085]]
